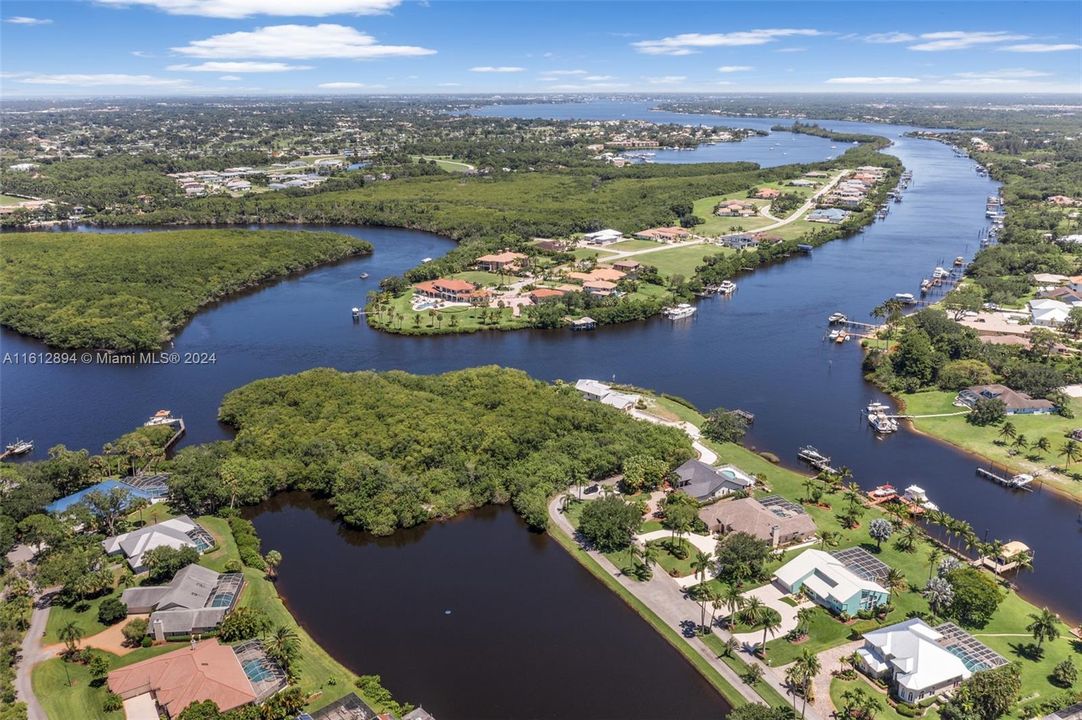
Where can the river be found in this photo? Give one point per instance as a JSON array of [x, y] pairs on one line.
[[761, 350]]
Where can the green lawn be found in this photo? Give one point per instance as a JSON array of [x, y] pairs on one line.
[[886, 710], [466, 319], [714, 225], [86, 618], [681, 260], [633, 245], [481, 277], [590, 253], [983, 440], [445, 163], [671, 564], [824, 632], [81, 699], [769, 695], [10, 199]]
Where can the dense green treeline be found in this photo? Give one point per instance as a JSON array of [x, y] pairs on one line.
[[818, 131], [392, 449], [131, 291]]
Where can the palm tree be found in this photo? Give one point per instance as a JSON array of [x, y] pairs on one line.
[[1045, 626], [753, 611], [894, 580], [1008, 431], [282, 645], [939, 594], [70, 635], [1042, 445], [809, 668], [804, 617], [909, 538], [828, 538], [1070, 452], [729, 647], [650, 555], [733, 599], [1020, 442], [933, 556], [1023, 561], [273, 559], [701, 564], [771, 622], [753, 674]]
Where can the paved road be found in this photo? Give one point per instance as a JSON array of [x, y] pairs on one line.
[[33, 653], [668, 601]]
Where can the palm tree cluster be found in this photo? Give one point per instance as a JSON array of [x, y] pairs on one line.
[[800, 676]]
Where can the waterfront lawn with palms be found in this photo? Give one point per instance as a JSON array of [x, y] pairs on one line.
[[673, 565], [990, 443], [83, 613], [886, 711]]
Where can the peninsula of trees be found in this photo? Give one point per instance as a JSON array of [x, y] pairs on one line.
[[132, 291]]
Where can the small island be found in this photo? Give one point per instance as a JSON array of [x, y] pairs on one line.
[[128, 292]]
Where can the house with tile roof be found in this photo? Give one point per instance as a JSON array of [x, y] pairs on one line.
[[207, 670]]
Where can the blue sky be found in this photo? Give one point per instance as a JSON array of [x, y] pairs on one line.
[[166, 47]]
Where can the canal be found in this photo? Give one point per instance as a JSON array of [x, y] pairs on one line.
[[762, 350]]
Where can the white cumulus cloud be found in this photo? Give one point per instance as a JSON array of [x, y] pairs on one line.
[[688, 43], [238, 67], [563, 73], [734, 68], [873, 80], [962, 39], [1041, 47], [666, 79], [235, 9], [298, 42], [24, 20], [230, 78], [497, 69], [1007, 74]]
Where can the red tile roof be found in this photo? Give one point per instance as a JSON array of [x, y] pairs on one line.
[[209, 671]]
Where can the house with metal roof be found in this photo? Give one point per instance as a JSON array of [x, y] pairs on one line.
[[177, 532], [196, 600], [830, 583], [151, 488], [910, 657], [706, 483]]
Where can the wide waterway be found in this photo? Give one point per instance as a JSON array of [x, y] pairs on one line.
[[762, 350]]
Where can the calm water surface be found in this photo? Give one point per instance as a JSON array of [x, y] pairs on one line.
[[762, 350]]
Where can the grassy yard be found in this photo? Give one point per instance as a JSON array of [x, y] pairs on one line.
[[886, 710], [633, 245], [986, 442], [671, 564], [769, 695], [481, 277], [466, 319], [714, 225], [10, 199], [682, 260], [84, 614], [590, 253], [81, 698], [444, 162]]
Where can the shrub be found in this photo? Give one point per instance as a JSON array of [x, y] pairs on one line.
[[907, 710], [1065, 673], [111, 611], [244, 624], [135, 631], [232, 566], [146, 641], [247, 542], [112, 703]]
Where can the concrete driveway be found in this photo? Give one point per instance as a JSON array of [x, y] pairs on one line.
[[770, 595]]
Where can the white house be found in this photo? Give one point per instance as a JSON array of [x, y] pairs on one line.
[[909, 655], [603, 237], [1048, 313], [830, 583], [603, 393]]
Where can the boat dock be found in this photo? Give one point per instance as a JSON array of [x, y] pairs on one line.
[[816, 459], [1015, 482]]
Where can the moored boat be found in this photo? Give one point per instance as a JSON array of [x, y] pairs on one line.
[[20, 447], [676, 312]]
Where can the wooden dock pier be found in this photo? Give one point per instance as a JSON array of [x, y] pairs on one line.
[[1012, 482]]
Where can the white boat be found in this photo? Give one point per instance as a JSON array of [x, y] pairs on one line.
[[881, 422], [916, 495], [682, 310], [1021, 480], [833, 336], [356, 312], [837, 318], [426, 260], [905, 298], [20, 447], [162, 417], [727, 287], [364, 276]]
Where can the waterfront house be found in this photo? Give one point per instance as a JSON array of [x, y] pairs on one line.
[[149, 488], [739, 242], [628, 267], [603, 393], [767, 193], [543, 294], [597, 274], [551, 245], [207, 670], [196, 600], [832, 216], [583, 323], [664, 234], [599, 288], [911, 658], [177, 533], [1014, 402], [706, 483], [828, 582], [452, 290], [500, 262], [778, 525], [736, 208]]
